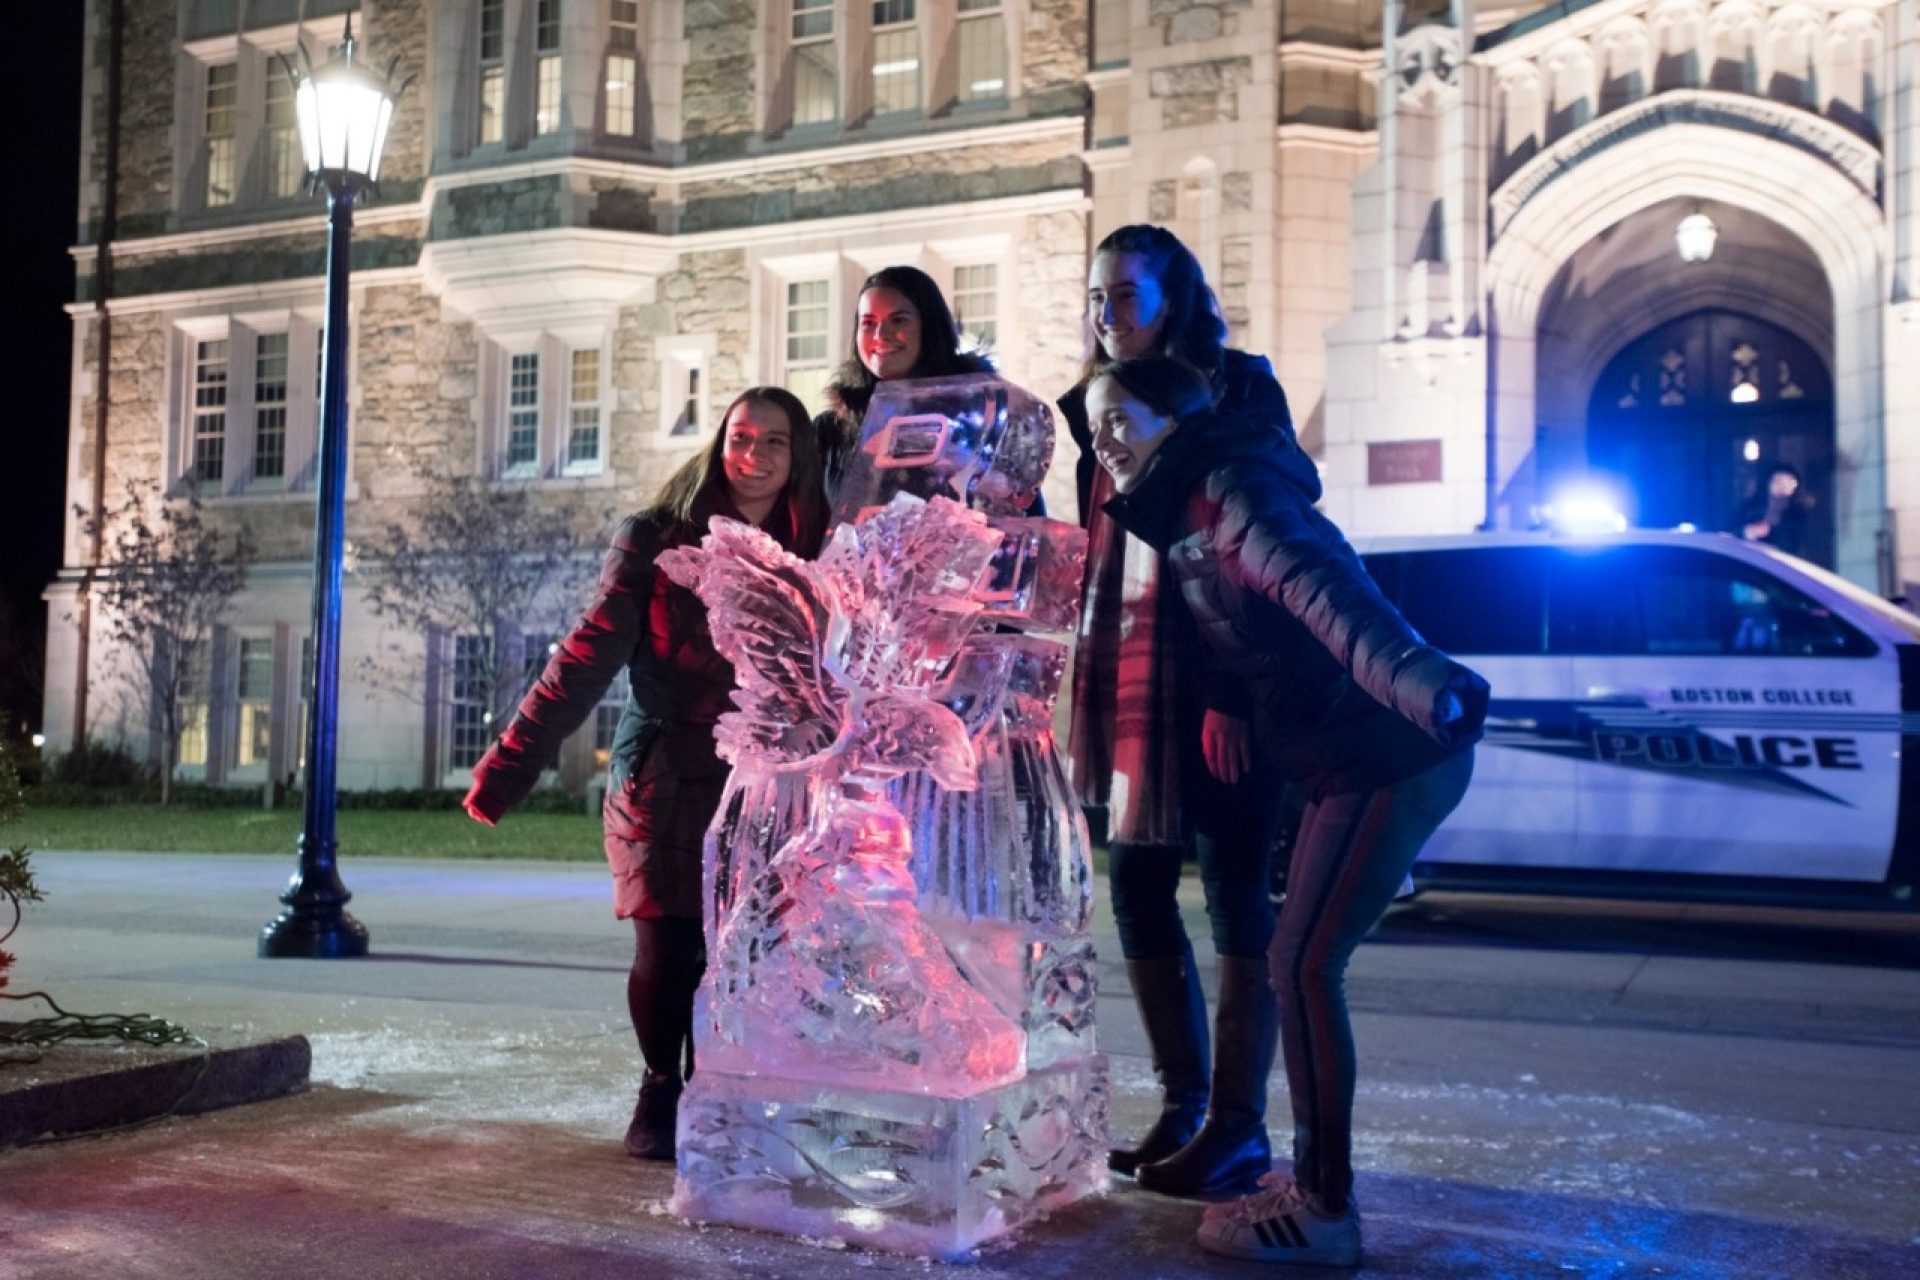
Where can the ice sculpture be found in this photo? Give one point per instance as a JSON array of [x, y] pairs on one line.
[[895, 1036]]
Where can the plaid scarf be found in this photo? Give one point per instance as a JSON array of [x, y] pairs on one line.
[[1126, 723]]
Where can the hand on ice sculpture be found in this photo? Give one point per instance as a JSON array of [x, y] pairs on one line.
[[823, 968]]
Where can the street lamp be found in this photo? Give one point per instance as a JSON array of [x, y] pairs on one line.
[[343, 109]]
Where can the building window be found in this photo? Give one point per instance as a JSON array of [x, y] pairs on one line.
[[209, 412], [976, 300], [807, 366], [606, 719], [302, 700], [982, 39], [547, 68], [253, 702], [896, 57], [468, 698], [623, 68], [194, 687], [493, 70], [583, 411], [270, 406], [286, 166], [223, 88], [816, 81], [523, 413]]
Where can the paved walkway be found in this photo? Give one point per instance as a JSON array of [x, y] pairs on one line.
[[1537, 1100]]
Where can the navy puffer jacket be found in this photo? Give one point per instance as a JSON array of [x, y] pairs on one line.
[[1346, 695]]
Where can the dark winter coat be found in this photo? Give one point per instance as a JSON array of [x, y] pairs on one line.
[[664, 780], [1347, 696], [1247, 389]]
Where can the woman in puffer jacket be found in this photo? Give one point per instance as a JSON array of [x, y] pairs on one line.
[[664, 779], [1346, 701]]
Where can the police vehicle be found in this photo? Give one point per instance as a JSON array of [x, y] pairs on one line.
[[1674, 714]]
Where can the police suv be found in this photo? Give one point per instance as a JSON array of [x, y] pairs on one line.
[[1678, 714]]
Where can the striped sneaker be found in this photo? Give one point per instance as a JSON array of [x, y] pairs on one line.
[[1278, 1224]]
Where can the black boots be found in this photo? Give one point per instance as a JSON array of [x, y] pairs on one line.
[[668, 959], [1174, 1012], [650, 1136], [1230, 1152]]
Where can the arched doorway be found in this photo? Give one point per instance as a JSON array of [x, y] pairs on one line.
[[1687, 416]]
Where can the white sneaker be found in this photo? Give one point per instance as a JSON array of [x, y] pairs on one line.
[[1278, 1224]]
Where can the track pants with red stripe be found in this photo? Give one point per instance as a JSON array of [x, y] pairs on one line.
[[1351, 856]]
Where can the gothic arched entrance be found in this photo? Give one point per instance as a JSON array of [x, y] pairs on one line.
[[1687, 417]]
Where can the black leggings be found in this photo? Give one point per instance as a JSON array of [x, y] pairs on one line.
[[669, 955], [1352, 855], [1233, 833]]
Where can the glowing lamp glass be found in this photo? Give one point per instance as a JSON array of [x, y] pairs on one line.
[[1695, 237], [343, 111]]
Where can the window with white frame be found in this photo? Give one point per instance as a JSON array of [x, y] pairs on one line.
[[584, 435], [546, 403], [816, 79], [522, 455], [195, 686], [301, 701], [286, 165], [980, 30], [207, 464], [469, 687], [976, 300], [807, 365], [623, 68], [252, 703], [896, 57], [270, 406], [246, 422], [493, 71], [218, 121], [546, 65], [683, 360]]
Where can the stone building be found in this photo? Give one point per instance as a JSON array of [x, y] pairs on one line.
[[1452, 226]]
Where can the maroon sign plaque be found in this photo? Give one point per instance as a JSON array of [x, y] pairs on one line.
[[1403, 462]]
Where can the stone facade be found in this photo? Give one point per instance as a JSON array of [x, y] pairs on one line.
[[1390, 199]]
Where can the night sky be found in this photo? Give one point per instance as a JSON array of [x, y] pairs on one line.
[[42, 97]]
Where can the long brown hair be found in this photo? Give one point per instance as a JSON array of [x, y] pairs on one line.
[[1193, 330], [940, 353], [803, 499]]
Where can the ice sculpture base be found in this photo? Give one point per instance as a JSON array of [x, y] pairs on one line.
[[897, 1171]]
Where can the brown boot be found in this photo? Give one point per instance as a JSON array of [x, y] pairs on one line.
[[1173, 1010], [1231, 1151]]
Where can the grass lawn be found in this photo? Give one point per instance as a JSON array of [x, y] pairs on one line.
[[550, 837]]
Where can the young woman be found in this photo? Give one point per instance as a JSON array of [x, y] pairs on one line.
[[664, 780], [1347, 703], [1138, 721], [902, 328]]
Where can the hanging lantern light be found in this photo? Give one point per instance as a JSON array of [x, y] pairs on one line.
[[1695, 237]]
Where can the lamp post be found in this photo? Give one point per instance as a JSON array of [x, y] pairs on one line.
[[343, 109]]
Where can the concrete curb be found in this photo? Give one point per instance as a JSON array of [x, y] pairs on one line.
[[86, 1088]]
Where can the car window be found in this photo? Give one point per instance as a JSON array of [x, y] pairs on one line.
[[1681, 602], [1469, 600]]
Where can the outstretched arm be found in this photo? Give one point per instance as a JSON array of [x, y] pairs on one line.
[[574, 679]]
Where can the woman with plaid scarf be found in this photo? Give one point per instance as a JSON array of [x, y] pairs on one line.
[[1141, 740]]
